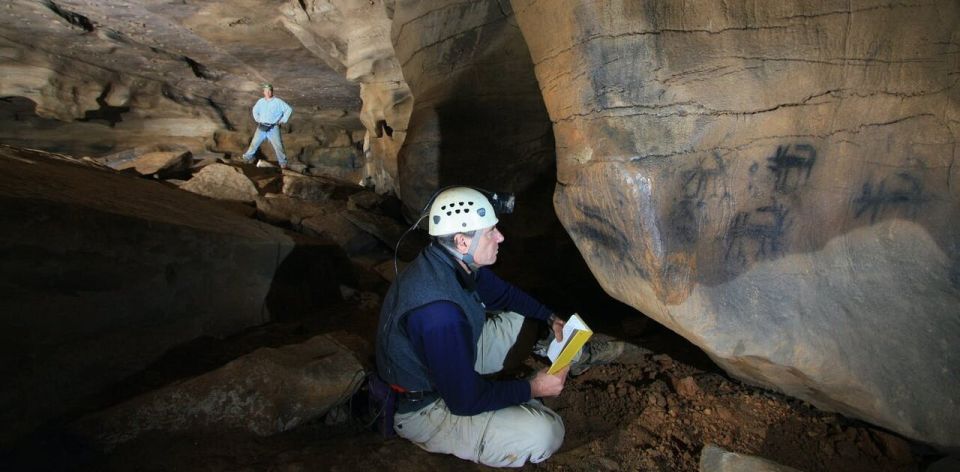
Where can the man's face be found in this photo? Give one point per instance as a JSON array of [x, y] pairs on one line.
[[267, 93], [487, 247]]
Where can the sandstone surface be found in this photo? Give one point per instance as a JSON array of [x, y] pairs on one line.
[[776, 182]]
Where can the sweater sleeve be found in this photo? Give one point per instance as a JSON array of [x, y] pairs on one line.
[[255, 111], [287, 111], [441, 337], [499, 294]]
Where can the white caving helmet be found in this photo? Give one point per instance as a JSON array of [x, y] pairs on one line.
[[459, 210]]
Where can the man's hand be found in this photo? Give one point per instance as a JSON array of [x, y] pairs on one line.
[[556, 324], [546, 385]]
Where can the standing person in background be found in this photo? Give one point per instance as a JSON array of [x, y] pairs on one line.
[[269, 113]]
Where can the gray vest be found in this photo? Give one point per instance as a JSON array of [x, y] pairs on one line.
[[429, 278]]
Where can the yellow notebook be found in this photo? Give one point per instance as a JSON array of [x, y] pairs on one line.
[[575, 335]]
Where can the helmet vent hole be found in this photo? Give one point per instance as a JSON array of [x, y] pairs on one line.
[[458, 211], [464, 225], [436, 219], [469, 203], [466, 210], [443, 207], [449, 213]]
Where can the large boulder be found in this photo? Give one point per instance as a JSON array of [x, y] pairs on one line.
[[223, 182], [103, 272], [775, 181], [268, 391]]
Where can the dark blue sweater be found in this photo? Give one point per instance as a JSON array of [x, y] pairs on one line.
[[441, 337]]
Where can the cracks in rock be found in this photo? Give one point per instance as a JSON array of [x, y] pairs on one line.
[[918, 93], [775, 138], [684, 74], [75, 19], [448, 38], [592, 37], [851, 11], [427, 13], [838, 61], [701, 110], [199, 69], [220, 114], [552, 81]]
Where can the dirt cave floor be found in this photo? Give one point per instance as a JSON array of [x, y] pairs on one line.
[[653, 415]]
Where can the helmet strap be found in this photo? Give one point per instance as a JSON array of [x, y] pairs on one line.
[[468, 257]]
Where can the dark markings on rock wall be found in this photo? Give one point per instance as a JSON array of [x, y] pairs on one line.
[[598, 229], [696, 185], [199, 69], [75, 19], [756, 235], [221, 114], [904, 191], [791, 169]]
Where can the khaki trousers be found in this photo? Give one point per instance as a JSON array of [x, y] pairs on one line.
[[508, 437]]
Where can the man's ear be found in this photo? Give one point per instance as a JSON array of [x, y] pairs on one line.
[[462, 242]]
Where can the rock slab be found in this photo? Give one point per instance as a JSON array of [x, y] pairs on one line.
[[717, 459], [222, 182], [268, 391], [103, 272]]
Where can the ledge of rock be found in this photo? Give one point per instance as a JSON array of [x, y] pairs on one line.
[[135, 267]]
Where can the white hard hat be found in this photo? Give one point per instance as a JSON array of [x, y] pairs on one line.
[[459, 210]]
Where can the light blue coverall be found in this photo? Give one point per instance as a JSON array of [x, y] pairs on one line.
[[269, 111]]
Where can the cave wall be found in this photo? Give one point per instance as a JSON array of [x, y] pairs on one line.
[[478, 117], [113, 75], [775, 182]]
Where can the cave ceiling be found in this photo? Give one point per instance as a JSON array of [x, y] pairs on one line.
[[213, 53]]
